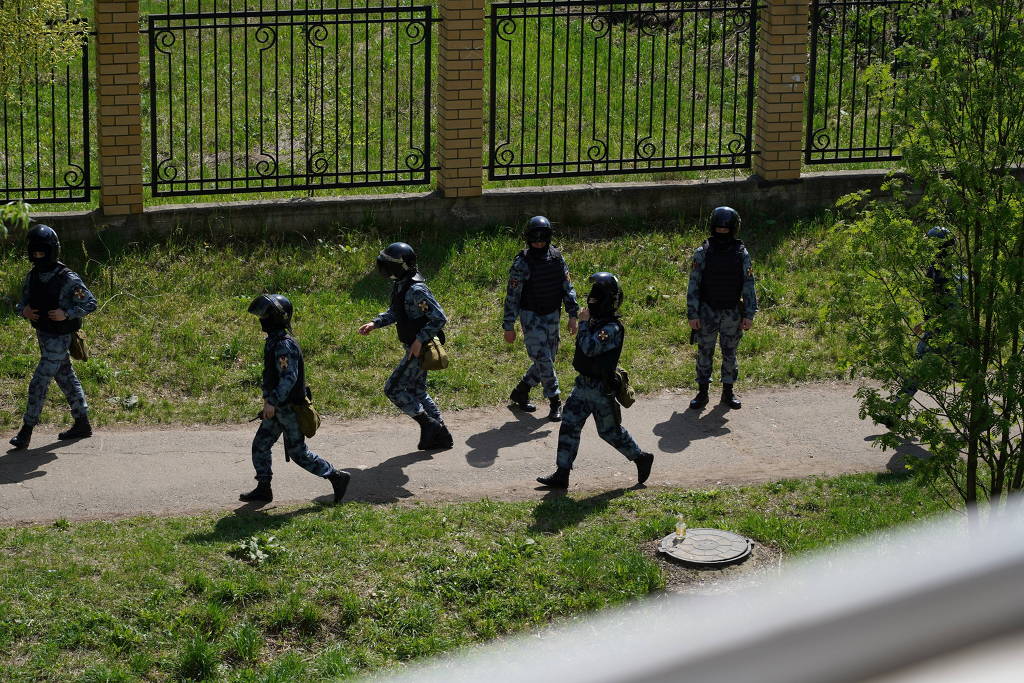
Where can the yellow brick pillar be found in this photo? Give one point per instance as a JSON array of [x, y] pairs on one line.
[[781, 72], [460, 97], [118, 106]]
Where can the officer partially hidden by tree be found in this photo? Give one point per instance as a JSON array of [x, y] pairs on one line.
[[54, 299], [538, 286], [598, 347], [419, 318], [720, 302], [284, 385]]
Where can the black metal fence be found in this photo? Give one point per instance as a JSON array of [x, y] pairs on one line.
[[849, 119], [284, 99], [45, 152], [585, 87]]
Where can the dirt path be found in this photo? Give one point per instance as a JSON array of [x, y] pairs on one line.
[[780, 432]]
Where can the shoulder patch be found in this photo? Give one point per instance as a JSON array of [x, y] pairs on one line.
[[695, 265], [424, 306], [603, 335], [750, 271], [282, 362], [79, 294], [513, 282]]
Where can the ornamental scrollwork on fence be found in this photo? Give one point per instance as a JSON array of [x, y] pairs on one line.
[[598, 150], [415, 159], [644, 149], [74, 177], [417, 31], [505, 28]]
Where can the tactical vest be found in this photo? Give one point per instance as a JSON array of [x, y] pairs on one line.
[[407, 327], [601, 366], [542, 293], [721, 283], [45, 297], [272, 374]]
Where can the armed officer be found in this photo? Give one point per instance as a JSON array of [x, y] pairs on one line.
[[284, 386], [598, 347], [720, 302], [418, 318], [538, 287], [54, 299]]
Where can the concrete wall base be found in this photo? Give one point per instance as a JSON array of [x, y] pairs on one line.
[[576, 205]]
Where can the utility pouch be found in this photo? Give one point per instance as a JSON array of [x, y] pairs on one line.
[[433, 355], [624, 393], [78, 349], [306, 415]]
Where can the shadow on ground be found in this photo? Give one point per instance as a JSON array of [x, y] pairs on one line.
[[484, 447], [683, 428], [557, 511], [19, 466]]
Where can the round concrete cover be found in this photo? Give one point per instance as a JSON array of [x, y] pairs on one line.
[[707, 547]]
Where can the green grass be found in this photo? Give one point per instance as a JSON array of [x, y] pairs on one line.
[[359, 588], [172, 342]]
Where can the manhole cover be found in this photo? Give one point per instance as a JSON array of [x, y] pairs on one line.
[[708, 547]]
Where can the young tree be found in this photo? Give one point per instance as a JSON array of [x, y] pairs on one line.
[[959, 95], [37, 37]]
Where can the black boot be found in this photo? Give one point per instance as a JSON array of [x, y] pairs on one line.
[[21, 439], [520, 396], [558, 480], [430, 429], [81, 429], [339, 480], [555, 415], [701, 399], [643, 466], [443, 440], [729, 398], [260, 494]]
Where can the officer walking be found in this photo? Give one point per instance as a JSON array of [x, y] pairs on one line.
[[284, 385], [720, 303], [418, 318], [598, 347], [538, 287], [54, 299]]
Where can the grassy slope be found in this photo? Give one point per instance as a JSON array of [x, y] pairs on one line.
[[364, 587], [172, 328]]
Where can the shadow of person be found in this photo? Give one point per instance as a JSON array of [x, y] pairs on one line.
[[557, 511], [384, 483], [19, 466], [484, 446], [248, 520], [907, 453], [682, 428]]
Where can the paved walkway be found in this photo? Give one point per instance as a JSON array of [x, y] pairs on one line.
[[780, 432]]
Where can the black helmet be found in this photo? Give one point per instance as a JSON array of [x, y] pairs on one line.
[[273, 310], [396, 261], [538, 229], [605, 295], [43, 238], [725, 216]]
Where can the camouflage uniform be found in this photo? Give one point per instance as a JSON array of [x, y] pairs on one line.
[[540, 331], [590, 396], [721, 325], [288, 357], [407, 385], [54, 359]]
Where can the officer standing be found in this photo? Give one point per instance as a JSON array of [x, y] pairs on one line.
[[54, 299], [284, 385], [418, 318], [598, 347], [720, 302], [538, 286]]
